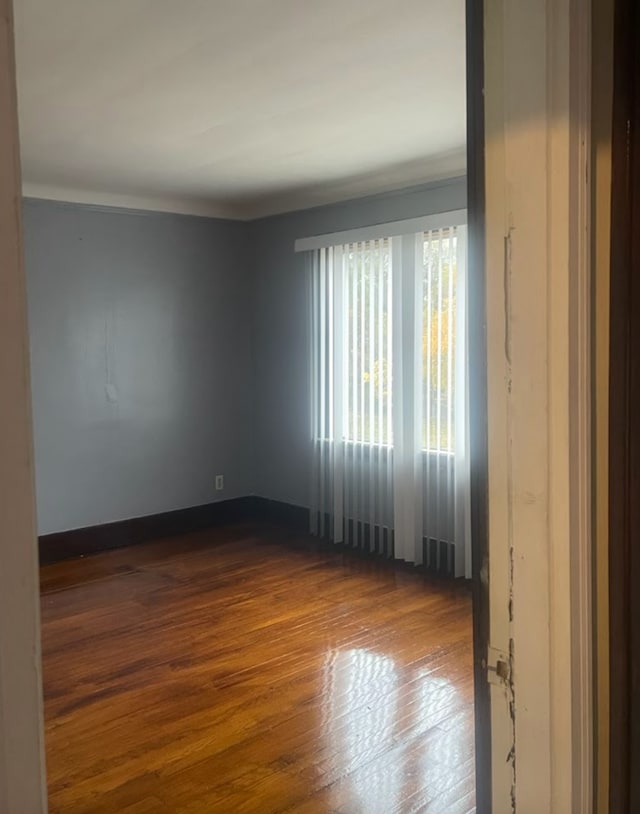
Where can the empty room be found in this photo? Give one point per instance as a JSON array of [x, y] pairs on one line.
[[316, 451], [245, 249]]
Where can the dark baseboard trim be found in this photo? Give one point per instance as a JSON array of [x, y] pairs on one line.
[[64, 545], [286, 514], [79, 542]]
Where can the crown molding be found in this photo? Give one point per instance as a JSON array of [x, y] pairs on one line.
[[437, 168], [178, 206]]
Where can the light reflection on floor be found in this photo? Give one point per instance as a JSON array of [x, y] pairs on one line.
[[393, 748]]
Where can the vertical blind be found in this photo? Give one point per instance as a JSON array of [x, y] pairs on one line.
[[389, 419]]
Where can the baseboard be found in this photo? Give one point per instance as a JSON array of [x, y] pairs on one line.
[[79, 542], [63, 545], [286, 514]]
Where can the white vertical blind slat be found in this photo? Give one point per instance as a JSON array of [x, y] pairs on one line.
[[330, 413], [398, 387], [438, 442], [451, 256], [428, 269], [370, 385], [389, 401], [346, 396], [414, 275], [362, 479], [354, 391], [337, 434], [380, 517], [323, 388], [315, 391]]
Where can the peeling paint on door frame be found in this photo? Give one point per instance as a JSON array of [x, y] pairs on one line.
[[537, 61]]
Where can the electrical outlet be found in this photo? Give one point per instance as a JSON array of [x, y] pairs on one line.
[[219, 483]]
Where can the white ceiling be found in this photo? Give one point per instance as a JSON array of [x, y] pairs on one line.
[[238, 108]]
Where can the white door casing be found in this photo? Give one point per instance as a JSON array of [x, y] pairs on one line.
[[22, 773], [537, 68]]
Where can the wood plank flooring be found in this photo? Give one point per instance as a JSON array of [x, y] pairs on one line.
[[233, 671]]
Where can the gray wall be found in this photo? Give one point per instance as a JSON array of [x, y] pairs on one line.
[[280, 319], [167, 349], [140, 361]]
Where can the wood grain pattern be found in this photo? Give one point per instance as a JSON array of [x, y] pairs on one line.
[[237, 671]]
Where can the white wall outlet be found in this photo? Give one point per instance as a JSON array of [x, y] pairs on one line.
[[219, 483]]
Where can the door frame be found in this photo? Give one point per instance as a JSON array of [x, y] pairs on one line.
[[477, 356], [538, 279], [22, 764], [624, 403]]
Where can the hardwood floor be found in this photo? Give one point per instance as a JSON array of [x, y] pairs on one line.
[[232, 671]]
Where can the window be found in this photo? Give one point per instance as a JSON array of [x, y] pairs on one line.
[[388, 389], [354, 283]]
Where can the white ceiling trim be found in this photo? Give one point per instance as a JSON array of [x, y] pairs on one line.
[[205, 209], [426, 171]]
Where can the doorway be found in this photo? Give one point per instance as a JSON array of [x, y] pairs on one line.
[[537, 686], [113, 386]]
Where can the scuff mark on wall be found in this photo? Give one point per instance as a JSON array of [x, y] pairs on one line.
[[110, 389]]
